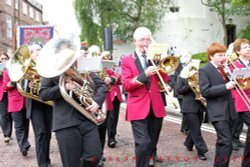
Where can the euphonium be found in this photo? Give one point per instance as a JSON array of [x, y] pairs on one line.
[[22, 70], [58, 57], [190, 72]]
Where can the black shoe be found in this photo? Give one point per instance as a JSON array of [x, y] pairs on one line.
[[103, 158], [24, 152], [188, 148], [111, 143], [235, 146], [7, 139], [100, 163], [185, 131], [202, 157], [158, 159], [151, 162]]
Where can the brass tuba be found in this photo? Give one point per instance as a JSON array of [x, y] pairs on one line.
[[190, 72], [22, 70], [58, 57]]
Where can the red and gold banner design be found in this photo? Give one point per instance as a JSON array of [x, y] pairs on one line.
[[39, 34]]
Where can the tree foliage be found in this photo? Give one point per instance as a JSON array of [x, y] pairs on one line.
[[240, 7], [124, 16], [222, 8]]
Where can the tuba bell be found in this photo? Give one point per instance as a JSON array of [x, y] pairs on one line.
[[62, 53], [22, 70], [190, 72]]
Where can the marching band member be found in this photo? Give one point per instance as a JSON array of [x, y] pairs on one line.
[[40, 115], [16, 106], [6, 124], [193, 114], [145, 105], [242, 48], [77, 136], [113, 115], [185, 58], [215, 87]]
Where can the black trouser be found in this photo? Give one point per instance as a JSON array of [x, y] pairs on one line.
[[41, 119], [184, 125], [237, 129], [5, 116], [223, 143], [102, 131], [22, 128], [79, 146], [194, 136], [143, 132], [113, 117], [245, 116]]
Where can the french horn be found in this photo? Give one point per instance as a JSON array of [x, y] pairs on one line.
[[58, 57]]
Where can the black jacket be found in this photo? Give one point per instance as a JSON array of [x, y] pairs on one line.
[[65, 115]]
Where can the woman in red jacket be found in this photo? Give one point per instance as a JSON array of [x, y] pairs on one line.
[[16, 106], [6, 124]]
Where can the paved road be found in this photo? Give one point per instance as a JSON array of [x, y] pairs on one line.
[[170, 148]]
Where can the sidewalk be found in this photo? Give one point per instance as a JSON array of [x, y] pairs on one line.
[[170, 148]]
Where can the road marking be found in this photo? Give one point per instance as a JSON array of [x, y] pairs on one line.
[[204, 127]]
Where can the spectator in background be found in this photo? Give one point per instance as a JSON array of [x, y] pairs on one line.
[[6, 118]]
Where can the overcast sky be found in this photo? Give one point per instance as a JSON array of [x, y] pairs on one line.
[[61, 14]]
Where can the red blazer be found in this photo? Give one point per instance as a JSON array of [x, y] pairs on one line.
[[240, 106], [140, 95], [15, 100], [1, 87], [114, 89]]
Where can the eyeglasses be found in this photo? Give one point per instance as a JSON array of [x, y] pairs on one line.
[[148, 40], [4, 58]]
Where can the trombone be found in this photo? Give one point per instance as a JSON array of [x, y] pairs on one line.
[[238, 87], [167, 65]]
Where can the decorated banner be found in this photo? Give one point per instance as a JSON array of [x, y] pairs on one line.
[[38, 34]]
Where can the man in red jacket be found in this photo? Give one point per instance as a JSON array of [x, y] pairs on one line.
[[145, 104]]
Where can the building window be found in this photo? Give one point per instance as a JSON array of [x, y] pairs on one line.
[[25, 8], [31, 13], [37, 16], [9, 27], [9, 2], [16, 5]]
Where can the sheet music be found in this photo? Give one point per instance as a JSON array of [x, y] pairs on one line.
[[157, 50], [118, 70], [241, 73], [108, 64], [89, 64]]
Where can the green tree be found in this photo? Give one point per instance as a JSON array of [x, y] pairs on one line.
[[125, 15], [240, 7], [222, 8]]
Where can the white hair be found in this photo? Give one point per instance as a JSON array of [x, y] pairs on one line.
[[142, 32]]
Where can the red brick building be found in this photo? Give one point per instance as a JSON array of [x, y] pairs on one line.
[[14, 13]]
